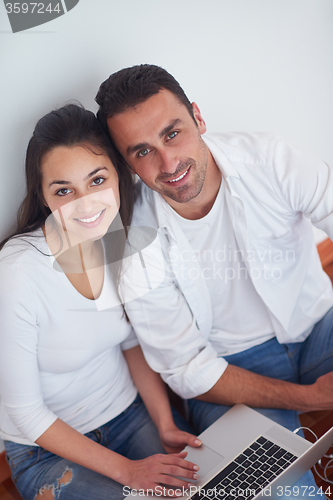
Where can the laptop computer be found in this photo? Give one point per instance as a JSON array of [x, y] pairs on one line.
[[247, 456]]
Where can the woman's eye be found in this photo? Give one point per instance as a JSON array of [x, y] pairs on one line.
[[143, 152], [172, 135], [97, 181], [63, 192]]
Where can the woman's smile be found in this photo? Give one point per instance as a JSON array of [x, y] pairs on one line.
[[90, 220]]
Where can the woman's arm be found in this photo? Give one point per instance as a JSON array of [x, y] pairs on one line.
[[63, 440], [148, 473], [153, 392], [19, 374]]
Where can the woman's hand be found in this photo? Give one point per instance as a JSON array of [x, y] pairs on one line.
[[174, 440], [157, 471]]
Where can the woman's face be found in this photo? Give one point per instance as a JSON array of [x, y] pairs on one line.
[[81, 189]]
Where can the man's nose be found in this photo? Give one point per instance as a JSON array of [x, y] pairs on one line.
[[169, 162]]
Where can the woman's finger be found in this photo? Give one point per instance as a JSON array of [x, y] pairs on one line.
[[174, 470], [178, 459], [183, 438]]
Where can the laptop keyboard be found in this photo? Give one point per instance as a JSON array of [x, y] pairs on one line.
[[248, 473]]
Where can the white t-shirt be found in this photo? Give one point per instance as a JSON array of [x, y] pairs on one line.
[[240, 317], [60, 354]]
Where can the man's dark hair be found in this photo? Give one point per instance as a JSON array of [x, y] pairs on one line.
[[131, 86]]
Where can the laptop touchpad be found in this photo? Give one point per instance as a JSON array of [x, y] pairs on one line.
[[204, 457]]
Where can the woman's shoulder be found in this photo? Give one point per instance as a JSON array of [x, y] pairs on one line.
[[24, 248]]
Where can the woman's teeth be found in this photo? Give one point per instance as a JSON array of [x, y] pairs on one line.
[[92, 219]]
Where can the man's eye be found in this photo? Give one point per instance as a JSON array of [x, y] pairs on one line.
[[172, 135], [63, 192], [98, 181], [143, 152]]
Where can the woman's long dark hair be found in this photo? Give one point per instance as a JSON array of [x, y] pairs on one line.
[[68, 126]]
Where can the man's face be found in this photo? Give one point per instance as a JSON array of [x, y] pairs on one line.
[[162, 144]]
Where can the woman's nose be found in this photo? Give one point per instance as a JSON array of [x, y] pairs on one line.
[[84, 203]]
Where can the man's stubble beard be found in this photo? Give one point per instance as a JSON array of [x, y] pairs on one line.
[[186, 193]]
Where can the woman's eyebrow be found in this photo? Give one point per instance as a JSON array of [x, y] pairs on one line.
[[94, 172], [91, 174]]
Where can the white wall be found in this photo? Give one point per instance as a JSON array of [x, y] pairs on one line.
[[249, 64]]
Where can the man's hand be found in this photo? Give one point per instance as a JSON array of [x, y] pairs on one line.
[[158, 470], [174, 440]]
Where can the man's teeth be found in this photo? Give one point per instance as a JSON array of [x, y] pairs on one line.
[[180, 177], [92, 219]]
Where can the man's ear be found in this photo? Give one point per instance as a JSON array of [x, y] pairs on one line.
[[198, 118]]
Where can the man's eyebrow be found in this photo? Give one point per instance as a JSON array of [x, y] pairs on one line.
[[91, 174], [168, 128], [144, 145], [137, 147]]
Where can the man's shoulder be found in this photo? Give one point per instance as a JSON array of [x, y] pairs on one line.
[[242, 148], [244, 145], [145, 210]]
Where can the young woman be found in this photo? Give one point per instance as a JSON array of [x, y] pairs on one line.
[[73, 424]]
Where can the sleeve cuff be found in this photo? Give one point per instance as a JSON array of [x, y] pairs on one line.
[[200, 375], [131, 341]]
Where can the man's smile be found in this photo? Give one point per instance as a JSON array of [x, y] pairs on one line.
[[180, 177]]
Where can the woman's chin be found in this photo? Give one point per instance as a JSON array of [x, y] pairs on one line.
[[87, 237]]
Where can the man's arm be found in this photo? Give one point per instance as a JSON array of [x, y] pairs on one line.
[[305, 183], [237, 385], [154, 395], [188, 362], [171, 341]]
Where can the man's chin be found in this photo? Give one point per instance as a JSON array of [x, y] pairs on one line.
[[181, 195]]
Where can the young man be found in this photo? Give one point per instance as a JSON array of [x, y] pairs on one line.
[[244, 312]]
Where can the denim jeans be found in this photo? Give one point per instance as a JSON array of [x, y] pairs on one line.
[[132, 434], [301, 363]]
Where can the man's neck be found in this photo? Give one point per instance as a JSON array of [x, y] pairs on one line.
[[201, 205]]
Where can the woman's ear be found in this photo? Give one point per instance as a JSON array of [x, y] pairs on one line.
[[41, 197]]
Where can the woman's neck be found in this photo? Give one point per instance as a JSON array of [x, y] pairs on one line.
[[83, 263], [73, 258]]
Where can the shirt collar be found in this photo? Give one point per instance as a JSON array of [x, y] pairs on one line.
[[215, 146]]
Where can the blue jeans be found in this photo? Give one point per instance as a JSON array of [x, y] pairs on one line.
[[132, 434], [301, 363]]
